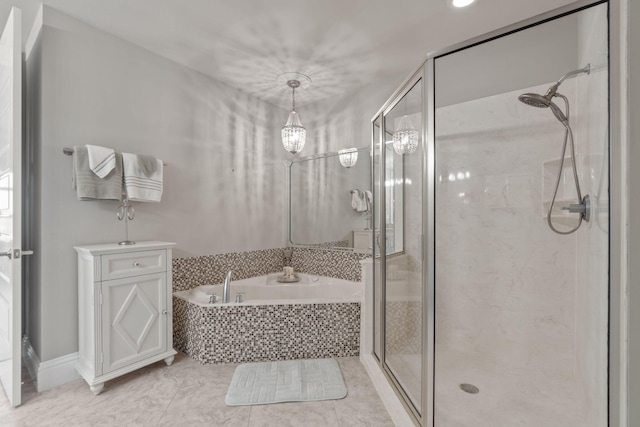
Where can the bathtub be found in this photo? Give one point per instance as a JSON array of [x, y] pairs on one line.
[[317, 317], [266, 290]]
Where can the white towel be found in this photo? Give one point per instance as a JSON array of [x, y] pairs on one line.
[[102, 160], [88, 186], [368, 195], [358, 202], [354, 199], [137, 186]]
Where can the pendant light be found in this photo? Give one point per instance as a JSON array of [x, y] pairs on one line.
[[294, 134]]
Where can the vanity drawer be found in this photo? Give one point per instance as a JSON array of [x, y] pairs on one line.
[[117, 266]]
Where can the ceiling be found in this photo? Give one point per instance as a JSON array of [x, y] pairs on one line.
[[340, 44]]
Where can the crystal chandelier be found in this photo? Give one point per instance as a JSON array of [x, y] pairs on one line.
[[405, 139], [348, 157], [293, 133]]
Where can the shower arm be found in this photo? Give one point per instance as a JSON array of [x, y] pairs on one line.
[[552, 90]]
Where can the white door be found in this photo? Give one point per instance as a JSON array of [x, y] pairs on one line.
[[11, 206]]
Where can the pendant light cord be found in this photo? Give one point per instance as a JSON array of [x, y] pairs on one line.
[[293, 97]]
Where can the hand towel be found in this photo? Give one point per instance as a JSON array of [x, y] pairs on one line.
[[368, 195], [354, 199], [102, 160], [139, 187], [148, 164], [362, 203], [87, 184]]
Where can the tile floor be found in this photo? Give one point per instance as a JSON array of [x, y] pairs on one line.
[[189, 394]]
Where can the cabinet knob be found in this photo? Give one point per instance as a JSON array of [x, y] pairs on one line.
[[136, 264], [164, 312]]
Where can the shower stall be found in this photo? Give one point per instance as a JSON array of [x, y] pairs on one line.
[[491, 263]]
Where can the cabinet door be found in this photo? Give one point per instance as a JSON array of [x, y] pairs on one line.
[[134, 324]]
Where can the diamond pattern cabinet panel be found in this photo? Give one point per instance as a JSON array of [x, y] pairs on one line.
[[134, 326], [125, 320]]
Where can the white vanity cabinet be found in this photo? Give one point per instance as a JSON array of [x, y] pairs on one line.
[[124, 309]]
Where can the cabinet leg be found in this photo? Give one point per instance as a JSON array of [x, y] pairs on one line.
[[97, 388], [169, 360]]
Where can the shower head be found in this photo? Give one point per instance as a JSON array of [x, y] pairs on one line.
[[540, 101], [544, 101], [535, 100]]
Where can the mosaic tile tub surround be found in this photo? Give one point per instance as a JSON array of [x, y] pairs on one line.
[[254, 333], [189, 273], [341, 265]]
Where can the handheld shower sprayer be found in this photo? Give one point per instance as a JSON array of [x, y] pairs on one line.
[[545, 101]]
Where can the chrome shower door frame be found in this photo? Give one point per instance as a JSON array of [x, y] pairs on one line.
[[617, 358], [618, 147], [397, 96]]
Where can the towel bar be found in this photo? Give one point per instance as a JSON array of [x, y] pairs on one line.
[[69, 152]]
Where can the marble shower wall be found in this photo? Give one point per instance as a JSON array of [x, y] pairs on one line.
[[510, 306], [498, 267]]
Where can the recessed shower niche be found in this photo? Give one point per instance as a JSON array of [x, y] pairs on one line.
[[497, 298]]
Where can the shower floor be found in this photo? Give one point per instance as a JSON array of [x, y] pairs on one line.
[[509, 396]]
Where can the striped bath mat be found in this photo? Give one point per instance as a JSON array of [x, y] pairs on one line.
[[304, 380]]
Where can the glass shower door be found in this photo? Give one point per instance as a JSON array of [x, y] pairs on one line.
[[520, 309], [401, 226]]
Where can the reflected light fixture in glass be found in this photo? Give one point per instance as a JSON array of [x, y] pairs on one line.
[[405, 139], [348, 157], [294, 134]]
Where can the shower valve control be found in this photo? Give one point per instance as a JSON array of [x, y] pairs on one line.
[[582, 208], [575, 208]]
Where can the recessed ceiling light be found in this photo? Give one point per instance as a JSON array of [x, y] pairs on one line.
[[462, 3]]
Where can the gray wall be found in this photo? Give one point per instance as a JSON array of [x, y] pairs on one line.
[[634, 214], [225, 160], [222, 148], [473, 71]]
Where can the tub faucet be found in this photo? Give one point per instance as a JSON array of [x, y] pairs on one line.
[[226, 291]]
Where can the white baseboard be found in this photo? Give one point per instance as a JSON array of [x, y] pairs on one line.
[[389, 398], [50, 373]]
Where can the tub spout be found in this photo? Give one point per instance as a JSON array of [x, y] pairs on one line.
[[226, 291]]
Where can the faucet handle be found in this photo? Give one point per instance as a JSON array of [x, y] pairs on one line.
[[213, 299], [240, 297]]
